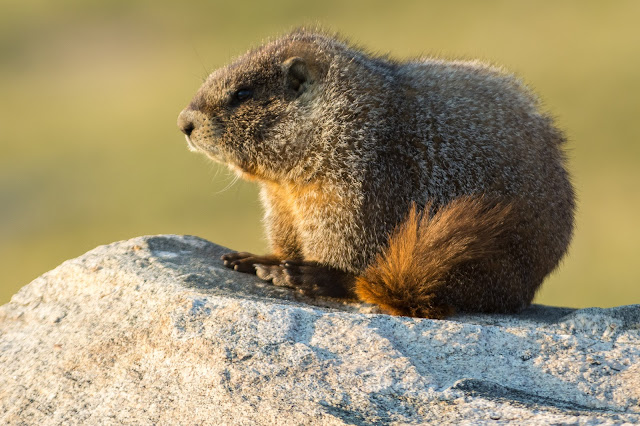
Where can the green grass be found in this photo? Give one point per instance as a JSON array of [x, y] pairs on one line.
[[90, 92]]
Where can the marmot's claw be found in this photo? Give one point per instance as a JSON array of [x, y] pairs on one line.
[[245, 262]]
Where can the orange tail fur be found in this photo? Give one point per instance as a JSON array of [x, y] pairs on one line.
[[410, 276]]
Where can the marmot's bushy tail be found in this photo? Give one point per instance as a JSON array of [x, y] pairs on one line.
[[409, 277]]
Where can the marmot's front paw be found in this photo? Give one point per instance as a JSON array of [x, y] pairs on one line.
[[274, 274], [309, 278], [245, 262]]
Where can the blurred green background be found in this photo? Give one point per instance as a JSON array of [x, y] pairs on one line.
[[90, 92]]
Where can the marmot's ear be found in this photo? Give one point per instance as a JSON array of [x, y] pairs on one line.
[[297, 74]]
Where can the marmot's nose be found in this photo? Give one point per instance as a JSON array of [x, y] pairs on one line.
[[185, 124]]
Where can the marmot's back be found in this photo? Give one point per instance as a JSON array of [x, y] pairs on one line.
[[482, 129]]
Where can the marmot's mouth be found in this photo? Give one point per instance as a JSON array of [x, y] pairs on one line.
[[208, 149], [190, 144]]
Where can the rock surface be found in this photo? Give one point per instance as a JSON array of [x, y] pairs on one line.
[[155, 330]]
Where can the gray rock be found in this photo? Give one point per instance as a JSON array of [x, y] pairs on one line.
[[155, 330]]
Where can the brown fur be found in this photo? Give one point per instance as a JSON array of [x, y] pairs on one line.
[[424, 186], [464, 231]]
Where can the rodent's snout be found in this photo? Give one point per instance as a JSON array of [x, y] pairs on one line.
[[198, 130], [185, 123]]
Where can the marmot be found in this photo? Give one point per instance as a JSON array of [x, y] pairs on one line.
[[426, 186]]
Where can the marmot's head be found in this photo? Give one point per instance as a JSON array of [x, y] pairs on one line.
[[256, 114]]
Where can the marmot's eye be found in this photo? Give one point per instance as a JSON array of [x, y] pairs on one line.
[[243, 94]]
